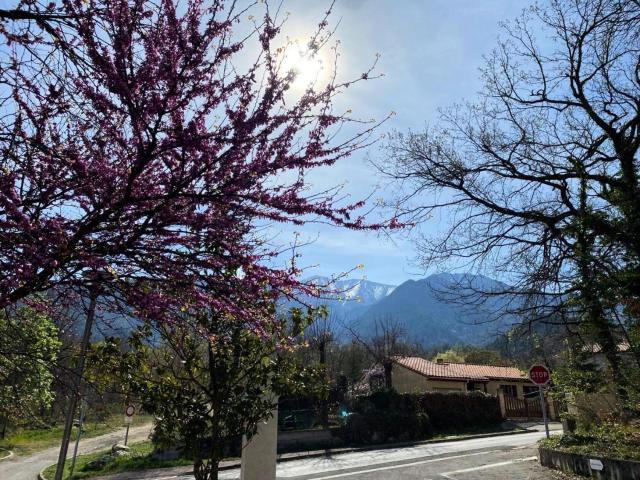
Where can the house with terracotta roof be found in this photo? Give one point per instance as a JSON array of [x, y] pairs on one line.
[[415, 375], [594, 355]]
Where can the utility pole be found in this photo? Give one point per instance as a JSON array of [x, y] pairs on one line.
[[77, 379]]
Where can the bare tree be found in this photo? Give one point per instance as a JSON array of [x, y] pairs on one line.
[[385, 340], [540, 175], [321, 334]]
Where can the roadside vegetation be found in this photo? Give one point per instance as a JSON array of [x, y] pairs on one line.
[[140, 457], [387, 416], [610, 440]]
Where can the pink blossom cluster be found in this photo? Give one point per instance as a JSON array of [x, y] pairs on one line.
[[131, 145]]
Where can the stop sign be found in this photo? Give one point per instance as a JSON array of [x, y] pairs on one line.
[[539, 374]]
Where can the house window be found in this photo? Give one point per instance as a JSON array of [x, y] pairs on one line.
[[509, 390], [530, 391], [472, 386], [447, 389]]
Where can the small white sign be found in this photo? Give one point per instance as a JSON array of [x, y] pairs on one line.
[[595, 464], [128, 413]]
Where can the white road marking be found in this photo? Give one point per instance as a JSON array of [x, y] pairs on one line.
[[490, 465], [403, 465], [371, 459]]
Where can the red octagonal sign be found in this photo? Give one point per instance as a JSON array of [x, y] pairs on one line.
[[539, 374]]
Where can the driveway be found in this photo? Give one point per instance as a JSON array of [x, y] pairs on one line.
[[27, 468]]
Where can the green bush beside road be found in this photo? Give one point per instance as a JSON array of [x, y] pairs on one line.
[[461, 411], [140, 457], [608, 440], [390, 416]]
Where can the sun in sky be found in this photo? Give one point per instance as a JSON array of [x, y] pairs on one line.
[[306, 64]]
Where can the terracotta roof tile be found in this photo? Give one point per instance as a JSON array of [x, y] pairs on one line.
[[596, 348], [461, 371]]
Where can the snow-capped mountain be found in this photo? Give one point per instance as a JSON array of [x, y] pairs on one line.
[[348, 298], [364, 292], [444, 309]]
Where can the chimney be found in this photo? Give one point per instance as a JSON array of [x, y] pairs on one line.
[[439, 361]]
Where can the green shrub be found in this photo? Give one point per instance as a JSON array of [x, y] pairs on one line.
[[609, 440], [458, 411], [357, 429], [386, 416], [390, 416]]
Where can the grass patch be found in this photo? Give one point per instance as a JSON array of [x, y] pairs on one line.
[[26, 441], [609, 440], [139, 458]]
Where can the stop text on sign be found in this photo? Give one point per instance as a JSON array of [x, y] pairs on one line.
[[539, 374]]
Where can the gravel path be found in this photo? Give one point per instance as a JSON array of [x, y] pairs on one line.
[[28, 467]]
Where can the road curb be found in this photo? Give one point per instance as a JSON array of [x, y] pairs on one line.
[[8, 455], [579, 464], [41, 474]]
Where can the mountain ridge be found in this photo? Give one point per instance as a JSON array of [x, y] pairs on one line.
[[349, 296], [443, 308]]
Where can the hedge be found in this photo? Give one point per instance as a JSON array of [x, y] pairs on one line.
[[391, 416], [456, 411]]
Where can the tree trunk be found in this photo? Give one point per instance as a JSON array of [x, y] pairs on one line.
[[206, 470], [214, 467], [199, 469], [592, 298], [609, 347], [215, 453], [388, 381], [324, 406]]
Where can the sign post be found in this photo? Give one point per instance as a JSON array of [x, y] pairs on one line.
[[539, 374], [128, 418], [83, 408]]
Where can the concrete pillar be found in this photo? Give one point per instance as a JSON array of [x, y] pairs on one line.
[[503, 408], [259, 454], [551, 408]]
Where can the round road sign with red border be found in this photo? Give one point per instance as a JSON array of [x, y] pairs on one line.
[[539, 374], [130, 410]]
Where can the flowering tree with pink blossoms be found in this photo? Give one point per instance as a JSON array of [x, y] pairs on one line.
[[139, 148], [131, 143]]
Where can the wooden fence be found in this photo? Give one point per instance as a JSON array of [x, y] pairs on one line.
[[524, 407]]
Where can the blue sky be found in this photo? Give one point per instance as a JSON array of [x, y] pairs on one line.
[[431, 51]]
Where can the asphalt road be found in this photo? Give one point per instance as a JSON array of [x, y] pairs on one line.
[[27, 468], [499, 457]]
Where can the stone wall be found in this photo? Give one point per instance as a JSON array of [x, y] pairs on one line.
[[580, 465]]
